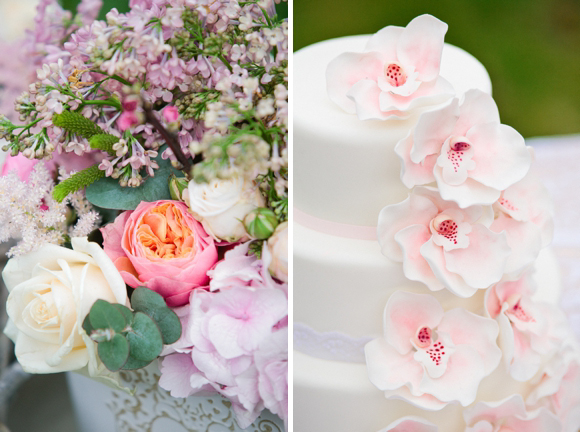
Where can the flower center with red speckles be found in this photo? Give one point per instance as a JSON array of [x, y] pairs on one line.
[[436, 352], [507, 204], [446, 227], [395, 75], [424, 337], [517, 310], [457, 148]]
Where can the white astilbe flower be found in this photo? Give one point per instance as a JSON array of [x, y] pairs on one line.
[[29, 213]]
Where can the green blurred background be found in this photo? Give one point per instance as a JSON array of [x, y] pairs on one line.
[[531, 48]]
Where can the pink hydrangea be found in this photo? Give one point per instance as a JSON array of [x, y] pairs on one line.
[[509, 414], [411, 424], [396, 74], [530, 331], [441, 244], [429, 357], [466, 150]]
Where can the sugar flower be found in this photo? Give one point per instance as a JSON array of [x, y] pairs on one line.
[[426, 353], [161, 246], [396, 74], [509, 414], [443, 245], [411, 424], [466, 150], [530, 331]]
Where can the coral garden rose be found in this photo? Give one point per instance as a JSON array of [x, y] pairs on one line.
[[466, 150], [443, 245], [530, 331], [222, 204], [397, 73], [51, 292], [161, 246], [430, 357], [509, 414]]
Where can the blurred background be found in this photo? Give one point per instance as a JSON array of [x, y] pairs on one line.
[[531, 48]]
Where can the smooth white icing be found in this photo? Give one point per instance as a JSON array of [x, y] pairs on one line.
[[346, 170]]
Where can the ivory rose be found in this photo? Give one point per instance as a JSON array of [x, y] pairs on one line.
[[161, 246], [430, 357], [275, 253], [221, 205], [465, 149], [51, 292], [397, 73], [443, 245]]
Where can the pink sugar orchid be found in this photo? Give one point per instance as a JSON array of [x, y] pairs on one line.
[[411, 424], [443, 245], [466, 150], [557, 387], [530, 331], [524, 211], [429, 357], [396, 74], [509, 415]]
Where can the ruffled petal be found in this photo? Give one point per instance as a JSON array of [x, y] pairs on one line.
[[421, 45], [410, 424], [476, 108], [366, 96], [500, 154], [415, 210], [486, 247], [428, 94], [406, 313], [414, 173], [467, 194], [346, 70], [385, 42]]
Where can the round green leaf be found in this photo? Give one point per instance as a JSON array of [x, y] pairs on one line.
[[104, 315], [145, 300], [168, 323], [144, 338], [87, 325], [127, 313], [114, 353], [133, 363]]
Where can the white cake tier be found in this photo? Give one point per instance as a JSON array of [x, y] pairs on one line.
[[346, 169], [343, 284], [347, 283]]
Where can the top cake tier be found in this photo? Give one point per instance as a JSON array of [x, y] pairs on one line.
[[346, 168]]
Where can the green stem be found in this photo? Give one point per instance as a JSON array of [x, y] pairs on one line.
[[38, 120], [107, 102], [224, 61]]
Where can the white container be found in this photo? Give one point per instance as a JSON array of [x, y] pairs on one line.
[[99, 408]]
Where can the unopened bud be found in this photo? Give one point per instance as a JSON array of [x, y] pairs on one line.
[[260, 223]]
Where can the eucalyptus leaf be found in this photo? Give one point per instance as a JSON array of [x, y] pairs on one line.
[[87, 325], [104, 315], [114, 353], [168, 323], [132, 363], [144, 300], [107, 193], [144, 338], [127, 313]]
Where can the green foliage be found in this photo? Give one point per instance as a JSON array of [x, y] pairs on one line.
[[104, 142], [76, 123], [77, 181], [260, 223], [131, 339], [108, 193], [114, 353]]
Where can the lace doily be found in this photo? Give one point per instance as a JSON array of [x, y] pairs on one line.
[[329, 345]]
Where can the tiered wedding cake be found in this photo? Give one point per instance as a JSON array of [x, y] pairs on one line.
[[448, 321]]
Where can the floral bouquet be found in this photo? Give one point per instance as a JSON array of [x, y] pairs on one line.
[[147, 186]]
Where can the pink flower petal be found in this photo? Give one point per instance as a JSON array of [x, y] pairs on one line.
[[414, 173], [415, 210], [468, 194], [486, 247], [346, 70], [406, 313], [477, 108], [421, 45], [501, 156], [410, 424], [366, 96], [385, 42]]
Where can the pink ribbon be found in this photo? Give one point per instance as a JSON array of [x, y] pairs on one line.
[[357, 232]]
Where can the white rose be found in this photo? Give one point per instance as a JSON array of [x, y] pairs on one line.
[[51, 292], [221, 205], [275, 253]]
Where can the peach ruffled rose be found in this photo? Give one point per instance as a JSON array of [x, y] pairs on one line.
[[161, 246]]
